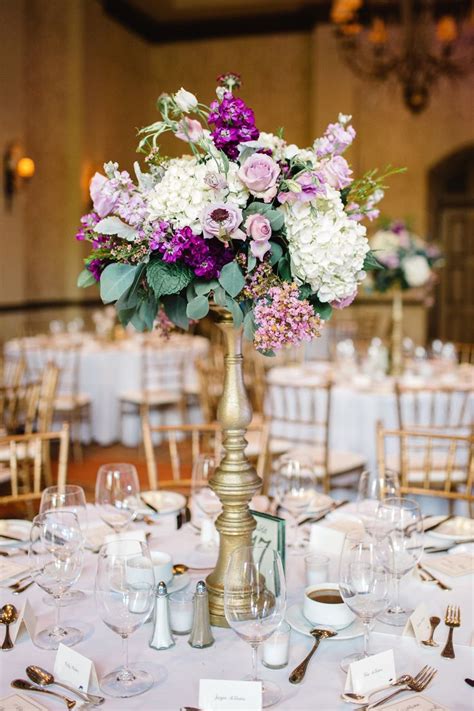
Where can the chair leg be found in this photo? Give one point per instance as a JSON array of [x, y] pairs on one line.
[[76, 434]]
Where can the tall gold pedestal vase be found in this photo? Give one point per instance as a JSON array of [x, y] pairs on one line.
[[235, 481], [396, 354]]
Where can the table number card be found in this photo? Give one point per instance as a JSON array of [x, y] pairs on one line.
[[453, 565], [219, 695], [371, 673], [416, 703], [75, 669], [418, 624], [17, 702], [270, 533], [25, 623]]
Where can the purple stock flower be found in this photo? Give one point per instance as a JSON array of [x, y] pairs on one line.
[[95, 267], [234, 123], [88, 222], [337, 137], [206, 257]]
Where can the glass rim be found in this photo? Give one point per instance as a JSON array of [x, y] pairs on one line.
[[321, 557], [399, 499], [113, 465], [123, 554]]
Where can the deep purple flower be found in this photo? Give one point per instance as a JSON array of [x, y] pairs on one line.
[[95, 267], [234, 123]]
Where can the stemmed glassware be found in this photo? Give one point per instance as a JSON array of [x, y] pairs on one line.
[[400, 546], [117, 495], [68, 497], [203, 496], [56, 556], [295, 489], [363, 583], [124, 592], [372, 489], [259, 570]]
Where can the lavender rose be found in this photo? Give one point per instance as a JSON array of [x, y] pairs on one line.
[[336, 172], [259, 173], [259, 229], [103, 200], [222, 220], [189, 130]]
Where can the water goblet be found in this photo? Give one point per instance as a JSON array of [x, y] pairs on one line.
[[295, 490], [124, 594], [372, 489], [56, 556], [117, 493], [205, 498], [255, 617]]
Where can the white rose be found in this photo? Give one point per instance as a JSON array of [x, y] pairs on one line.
[[185, 100], [416, 270]]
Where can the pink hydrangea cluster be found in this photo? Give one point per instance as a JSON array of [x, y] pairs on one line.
[[283, 319]]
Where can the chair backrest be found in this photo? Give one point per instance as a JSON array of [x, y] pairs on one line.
[[162, 366], [184, 444], [65, 357], [435, 408], [49, 384], [28, 461], [431, 463], [12, 370]]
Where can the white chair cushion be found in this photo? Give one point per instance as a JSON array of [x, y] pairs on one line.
[[67, 403], [339, 462], [151, 397], [20, 450]]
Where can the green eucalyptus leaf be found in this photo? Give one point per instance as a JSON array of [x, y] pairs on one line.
[[204, 287], [257, 207], [284, 268], [219, 296], [130, 298], [277, 253], [371, 262], [249, 326], [322, 308], [165, 278], [251, 261], [276, 218], [175, 308], [115, 280], [145, 314], [198, 308], [235, 310], [232, 279], [85, 279], [115, 226]]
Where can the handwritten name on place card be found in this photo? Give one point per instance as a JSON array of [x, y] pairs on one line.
[[16, 702], [371, 673], [416, 703], [219, 695], [454, 565]]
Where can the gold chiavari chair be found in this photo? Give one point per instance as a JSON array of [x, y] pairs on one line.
[[12, 370], [431, 463], [25, 474], [435, 407], [465, 352], [299, 417], [184, 443], [18, 408]]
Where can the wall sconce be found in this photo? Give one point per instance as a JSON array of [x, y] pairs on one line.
[[17, 170]]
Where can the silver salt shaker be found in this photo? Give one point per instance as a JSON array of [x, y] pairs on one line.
[[201, 635], [161, 637]]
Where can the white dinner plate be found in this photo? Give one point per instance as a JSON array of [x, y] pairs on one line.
[[459, 528], [296, 619], [14, 527], [167, 502]]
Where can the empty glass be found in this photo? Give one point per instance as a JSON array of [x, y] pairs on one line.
[[372, 489], [295, 489], [117, 494], [204, 497]]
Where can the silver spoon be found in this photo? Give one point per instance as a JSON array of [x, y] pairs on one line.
[[352, 698], [9, 614], [25, 685], [44, 678]]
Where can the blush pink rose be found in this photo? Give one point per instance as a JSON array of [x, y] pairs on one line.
[[189, 130], [259, 173], [336, 172], [259, 230]]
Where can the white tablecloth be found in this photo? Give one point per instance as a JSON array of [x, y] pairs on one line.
[[107, 369], [181, 667]]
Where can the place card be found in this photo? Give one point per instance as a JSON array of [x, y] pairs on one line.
[[12, 568], [371, 673], [418, 624], [223, 695], [25, 624], [17, 702], [326, 540], [416, 703], [453, 565], [75, 669]]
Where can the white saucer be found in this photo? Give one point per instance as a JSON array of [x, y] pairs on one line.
[[17, 528], [296, 619], [178, 583], [167, 502], [459, 528]]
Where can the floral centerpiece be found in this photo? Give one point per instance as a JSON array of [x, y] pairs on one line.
[[409, 261], [270, 231]]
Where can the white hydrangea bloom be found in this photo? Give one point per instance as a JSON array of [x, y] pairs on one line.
[[416, 270], [276, 144], [182, 192], [305, 155], [327, 249]]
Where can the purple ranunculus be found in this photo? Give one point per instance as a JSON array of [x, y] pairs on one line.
[[104, 202], [222, 220], [312, 186], [336, 172], [259, 173], [259, 230]]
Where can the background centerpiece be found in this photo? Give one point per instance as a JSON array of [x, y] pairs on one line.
[[265, 233]]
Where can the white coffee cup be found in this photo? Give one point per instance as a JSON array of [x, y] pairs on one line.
[[162, 567], [320, 612]]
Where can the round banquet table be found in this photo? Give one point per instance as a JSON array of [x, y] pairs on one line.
[[107, 369], [181, 667]]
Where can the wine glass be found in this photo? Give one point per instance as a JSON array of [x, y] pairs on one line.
[[117, 493], [124, 593], [400, 546], [373, 489], [68, 497], [258, 571], [203, 496], [295, 490], [363, 583], [56, 556]]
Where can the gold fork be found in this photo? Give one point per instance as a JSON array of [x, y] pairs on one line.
[[418, 683], [452, 619]]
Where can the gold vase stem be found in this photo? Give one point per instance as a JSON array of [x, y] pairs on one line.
[[235, 481]]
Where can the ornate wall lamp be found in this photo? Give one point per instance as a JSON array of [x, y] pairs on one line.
[[18, 169]]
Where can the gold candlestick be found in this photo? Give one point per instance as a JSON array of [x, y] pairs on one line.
[[396, 356], [235, 481]]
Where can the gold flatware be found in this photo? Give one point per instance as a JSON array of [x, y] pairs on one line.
[[433, 578], [8, 616], [44, 678], [435, 525], [297, 675], [434, 622], [25, 685], [23, 588], [181, 568], [452, 620], [18, 582], [352, 698], [418, 683]]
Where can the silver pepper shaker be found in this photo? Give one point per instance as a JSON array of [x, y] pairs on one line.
[[201, 635], [161, 637]]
